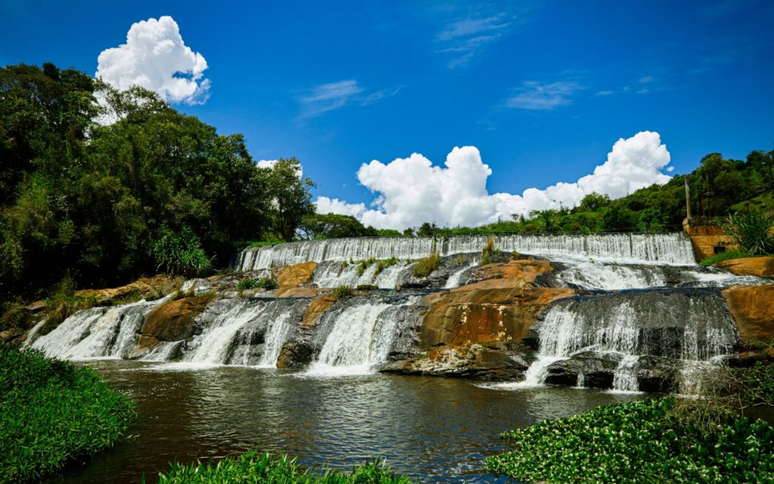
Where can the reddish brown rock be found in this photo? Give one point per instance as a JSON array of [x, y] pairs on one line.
[[299, 291], [174, 320], [296, 275], [316, 308], [515, 273], [478, 313], [750, 266], [753, 309], [145, 288]]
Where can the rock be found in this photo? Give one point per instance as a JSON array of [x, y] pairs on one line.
[[294, 354], [750, 266], [753, 310], [145, 288], [11, 335], [295, 275], [707, 237], [474, 361], [316, 309], [657, 375], [484, 312], [174, 320], [515, 273], [597, 369], [300, 291]]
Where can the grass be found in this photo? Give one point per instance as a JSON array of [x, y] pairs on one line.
[[381, 265], [638, 442], [426, 266], [342, 292], [726, 255], [266, 468], [254, 283], [52, 412]]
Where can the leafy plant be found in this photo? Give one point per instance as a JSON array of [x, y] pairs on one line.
[[343, 292], [268, 283], [752, 232], [254, 467], [426, 266], [181, 253], [53, 413], [639, 442]]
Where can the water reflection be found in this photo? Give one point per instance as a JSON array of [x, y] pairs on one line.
[[436, 430]]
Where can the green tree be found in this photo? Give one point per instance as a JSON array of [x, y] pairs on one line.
[[331, 225], [290, 196]]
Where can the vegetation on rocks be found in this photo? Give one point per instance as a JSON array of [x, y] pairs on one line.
[[275, 469], [52, 412], [752, 232], [426, 266], [267, 283], [726, 255], [639, 442]]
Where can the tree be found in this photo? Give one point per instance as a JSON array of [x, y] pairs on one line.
[[330, 225], [290, 196], [593, 202]]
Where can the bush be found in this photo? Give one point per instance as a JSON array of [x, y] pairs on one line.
[[266, 468], [181, 254], [52, 413], [253, 283], [426, 266], [639, 442], [727, 255], [752, 232], [343, 292], [63, 303]]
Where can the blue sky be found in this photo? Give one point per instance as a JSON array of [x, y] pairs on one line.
[[542, 89]]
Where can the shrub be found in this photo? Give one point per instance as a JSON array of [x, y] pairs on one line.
[[275, 469], [181, 253], [249, 283], [53, 413], [343, 292], [426, 266], [381, 265], [727, 255], [639, 442], [268, 283], [752, 232], [486, 253], [63, 303]]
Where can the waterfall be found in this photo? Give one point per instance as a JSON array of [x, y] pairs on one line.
[[335, 274], [276, 335], [691, 326], [594, 275], [97, 332], [674, 248], [214, 344], [361, 336], [454, 279]]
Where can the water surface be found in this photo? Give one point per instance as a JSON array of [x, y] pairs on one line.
[[436, 430]]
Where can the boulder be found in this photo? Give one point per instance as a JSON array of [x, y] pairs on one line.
[[174, 320], [295, 275], [316, 309], [145, 288], [749, 266], [294, 354], [753, 310]]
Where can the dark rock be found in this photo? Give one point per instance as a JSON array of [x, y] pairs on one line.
[[294, 354]]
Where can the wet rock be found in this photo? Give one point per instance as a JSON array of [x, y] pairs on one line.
[[657, 375], [475, 362], [174, 320], [294, 354], [752, 307], [295, 275], [597, 370], [316, 308], [145, 288]]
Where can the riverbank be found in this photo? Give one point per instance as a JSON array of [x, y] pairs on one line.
[[646, 441], [53, 412]]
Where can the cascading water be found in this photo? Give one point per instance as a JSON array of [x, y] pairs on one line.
[[360, 336], [454, 279], [672, 248], [692, 326], [335, 274], [276, 335], [595, 275], [97, 332]]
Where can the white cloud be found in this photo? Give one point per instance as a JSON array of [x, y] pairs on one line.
[[334, 95], [411, 190], [156, 58], [270, 164], [535, 96]]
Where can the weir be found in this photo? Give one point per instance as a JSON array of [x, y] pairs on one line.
[[673, 248]]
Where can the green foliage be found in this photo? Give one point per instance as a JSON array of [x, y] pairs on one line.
[[12, 315], [181, 254], [364, 264], [331, 225], [268, 283], [638, 442], [342, 292], [752, 232], [267, 468], [486, 252], [426, 266], [756, 384], [64, 302], [383, 264], [94, 201], [725, 255], [53, 413]]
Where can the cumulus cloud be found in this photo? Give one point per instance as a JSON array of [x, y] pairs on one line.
[[411, 190], [156, 58], [536, 96], [270, 164]]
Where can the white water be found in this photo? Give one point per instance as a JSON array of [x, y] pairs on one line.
[[609, 277], [454, 279], [625, 376], [672, 248], [97, 332], [213, 345], [335, 275], [276, 335]]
